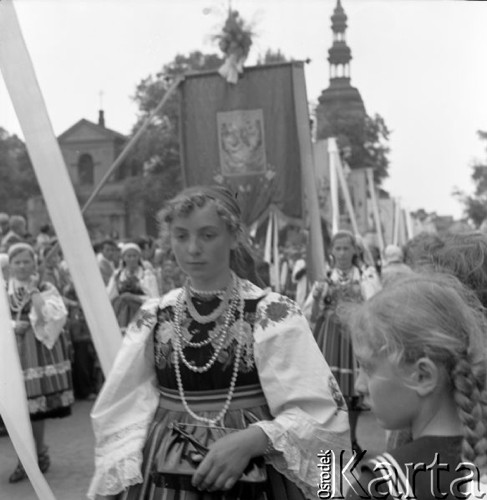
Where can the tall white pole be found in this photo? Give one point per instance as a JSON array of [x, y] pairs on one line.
[[375, 208], [57, 189], [346, 192], [335, 207], [397, 221]]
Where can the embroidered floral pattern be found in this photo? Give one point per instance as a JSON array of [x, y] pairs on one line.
[[336, 394], [165, 331], [144, 318], [43, 404], [47, 371], [278, 311]]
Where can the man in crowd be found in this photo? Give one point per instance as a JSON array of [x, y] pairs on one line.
[[105, 257]]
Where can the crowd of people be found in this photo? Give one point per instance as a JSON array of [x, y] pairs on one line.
[[224, 388]]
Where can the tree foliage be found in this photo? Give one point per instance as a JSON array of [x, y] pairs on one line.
[[17, 179], [271, 56], [158, 149], [475, 205], [363, 142]]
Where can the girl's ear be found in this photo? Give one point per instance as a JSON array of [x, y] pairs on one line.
[[425, 376]]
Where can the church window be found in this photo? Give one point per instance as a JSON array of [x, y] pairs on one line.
[[85, 169]]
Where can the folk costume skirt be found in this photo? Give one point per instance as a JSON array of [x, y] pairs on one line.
[[125, 309], [47, 376], [248, 406], [336, 346]]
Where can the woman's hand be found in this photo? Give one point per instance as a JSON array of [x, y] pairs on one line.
[[227, 459], [318, 289], [21, 327], [33, 283]]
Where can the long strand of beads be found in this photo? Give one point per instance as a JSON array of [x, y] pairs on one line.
[[211, 339], [218, 348], [221, 331], [214, 314], [233, 381]]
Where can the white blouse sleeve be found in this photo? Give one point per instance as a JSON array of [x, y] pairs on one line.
[[310, 414], [49, 326], [112, 288], [125, 407], [370, 283], [149, 283]]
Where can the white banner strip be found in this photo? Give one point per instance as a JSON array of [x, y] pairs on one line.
[[52, 175], [375, 207], [335, 207], [13, 400]]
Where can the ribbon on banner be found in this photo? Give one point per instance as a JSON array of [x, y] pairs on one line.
[[13, 400]]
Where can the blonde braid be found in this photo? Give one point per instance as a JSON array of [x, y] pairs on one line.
[[470, 397]]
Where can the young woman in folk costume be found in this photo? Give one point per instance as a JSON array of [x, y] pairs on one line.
[[131, 285], [422, 351], [347, 281], [218, 352], [38, 315]]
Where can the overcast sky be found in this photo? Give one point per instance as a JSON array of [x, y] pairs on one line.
[[420, 64]]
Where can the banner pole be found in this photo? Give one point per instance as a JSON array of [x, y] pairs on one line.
[[118, 161], [346, 193], [397, 218], [126, 150], [375, 208], [317, 250], [335, 208]]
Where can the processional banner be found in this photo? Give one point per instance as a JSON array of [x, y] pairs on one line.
[[245, 136]]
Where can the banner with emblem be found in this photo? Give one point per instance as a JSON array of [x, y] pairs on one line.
[[245, 136]]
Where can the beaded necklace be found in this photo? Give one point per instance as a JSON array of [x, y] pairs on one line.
[[225, 300], [236, 301], [344, 277], [19, 298]]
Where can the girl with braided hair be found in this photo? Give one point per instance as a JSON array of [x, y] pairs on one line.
[[219, 391], [421, 346]]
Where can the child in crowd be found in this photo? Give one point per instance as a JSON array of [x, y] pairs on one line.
[[421, 346]]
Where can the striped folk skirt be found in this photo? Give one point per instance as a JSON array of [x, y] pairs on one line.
[[47, 376], [336, 346], [246, 408]]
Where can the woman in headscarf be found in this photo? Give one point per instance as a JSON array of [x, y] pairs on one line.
[[131, 284], [39, 314]]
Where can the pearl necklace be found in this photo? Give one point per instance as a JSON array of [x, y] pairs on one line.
[[233, 381], [19, 299], [217, 312], [220, 336], [344, 277]]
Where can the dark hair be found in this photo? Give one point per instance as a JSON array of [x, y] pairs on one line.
[[107, 242], [145, 242], [242, 260]]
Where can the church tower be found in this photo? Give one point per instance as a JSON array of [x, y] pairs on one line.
[[340, 101]]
